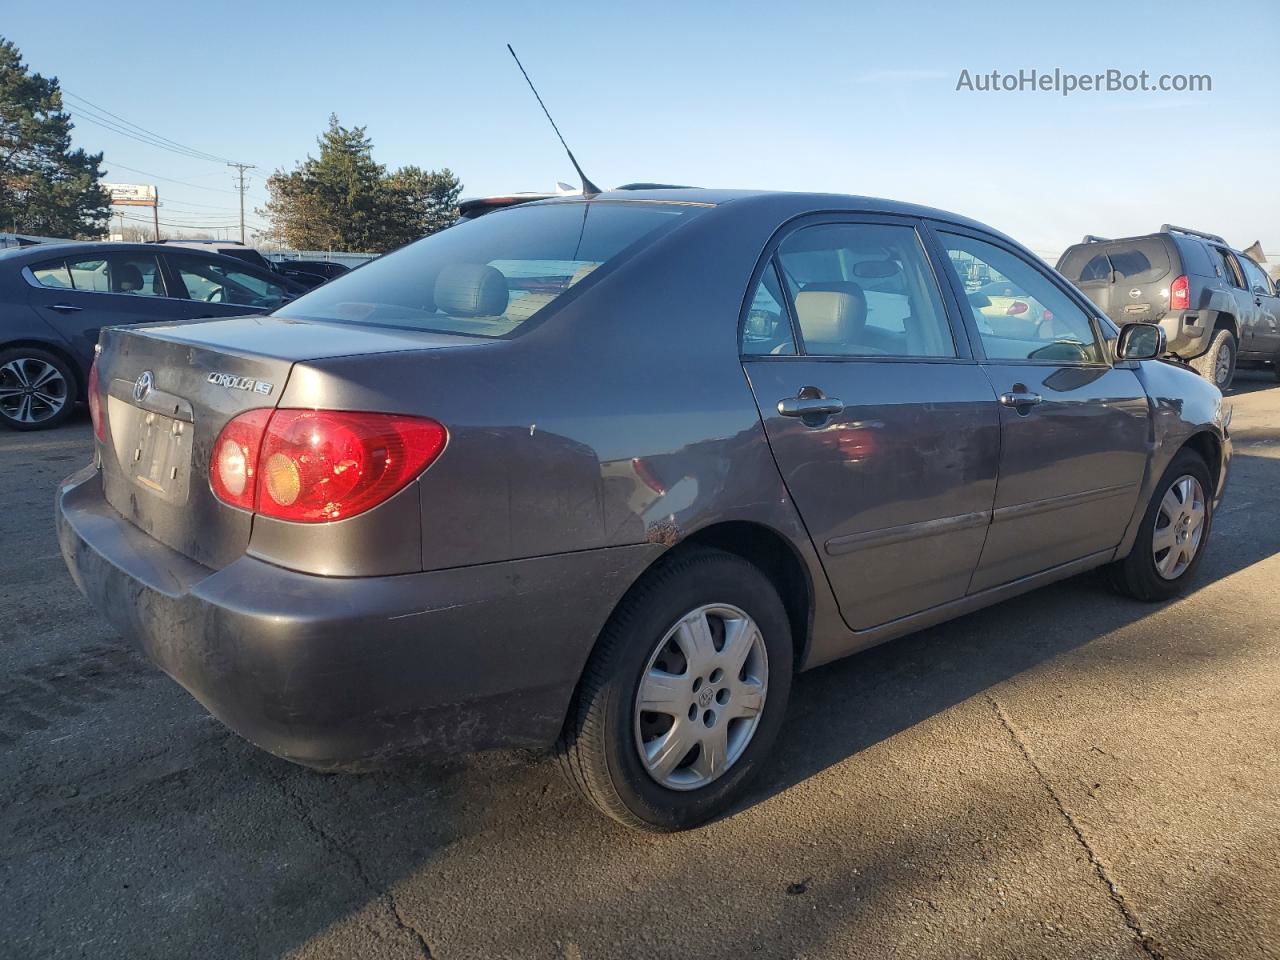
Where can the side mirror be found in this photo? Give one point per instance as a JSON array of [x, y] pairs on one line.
[[1141, 341]]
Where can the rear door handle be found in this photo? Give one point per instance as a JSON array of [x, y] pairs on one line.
[[65, 308], [1020, 399], [803, 406]]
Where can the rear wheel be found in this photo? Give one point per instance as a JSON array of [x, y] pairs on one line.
[[683, 697], [1218, 363], [37, 389], [1173, 535]]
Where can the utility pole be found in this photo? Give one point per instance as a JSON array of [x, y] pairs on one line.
[[155, 216], [240, 168]]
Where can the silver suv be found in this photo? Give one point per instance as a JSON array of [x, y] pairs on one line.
[[1216, 305]]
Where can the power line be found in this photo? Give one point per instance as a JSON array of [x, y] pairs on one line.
[[103, 117], [147, 173]]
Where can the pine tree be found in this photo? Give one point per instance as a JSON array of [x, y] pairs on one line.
[[344, 199], [46, 188]]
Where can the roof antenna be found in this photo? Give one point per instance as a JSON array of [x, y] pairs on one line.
[[589, 189]]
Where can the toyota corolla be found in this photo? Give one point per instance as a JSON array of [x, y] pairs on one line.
[[600, 474]]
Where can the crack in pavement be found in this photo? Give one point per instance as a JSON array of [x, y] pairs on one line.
[[331, 843], [1148, 944]]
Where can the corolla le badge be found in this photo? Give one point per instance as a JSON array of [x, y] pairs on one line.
[[232, 382], [142, 386]]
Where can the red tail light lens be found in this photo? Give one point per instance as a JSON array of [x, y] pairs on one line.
[[316, 466], [95, 404], [234, 465], [1180, 294], [1016, 308]]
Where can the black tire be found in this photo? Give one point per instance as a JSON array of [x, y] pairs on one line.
[[1207, 364], [598, 748], [12, 410], [1137, 575]]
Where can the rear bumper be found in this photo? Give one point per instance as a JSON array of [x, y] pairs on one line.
[[345, 672], [1189, 332]]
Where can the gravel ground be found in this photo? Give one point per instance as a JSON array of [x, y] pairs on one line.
[[1070, 774]]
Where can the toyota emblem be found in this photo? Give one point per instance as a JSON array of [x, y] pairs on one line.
[[142, 386]]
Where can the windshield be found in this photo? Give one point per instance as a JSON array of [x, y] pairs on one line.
[[488, 276]]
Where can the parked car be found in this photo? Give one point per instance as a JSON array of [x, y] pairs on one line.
[[310, 273], [55, 297], [1216, 305], [603, 474]]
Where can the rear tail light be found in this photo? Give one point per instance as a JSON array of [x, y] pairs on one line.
[[95, 404], [316, 466], [1016, 308], [234, 465], [1180, 294]]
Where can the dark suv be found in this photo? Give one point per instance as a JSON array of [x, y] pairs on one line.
[[1215, 304]]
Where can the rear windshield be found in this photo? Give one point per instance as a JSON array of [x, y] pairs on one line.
[[1134, 261], [486, 277]]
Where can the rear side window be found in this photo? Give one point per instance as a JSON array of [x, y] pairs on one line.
[[137, 275], [864, 290], [53, 275], [486, 277]]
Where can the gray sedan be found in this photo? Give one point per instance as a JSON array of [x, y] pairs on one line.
[[603, 473]]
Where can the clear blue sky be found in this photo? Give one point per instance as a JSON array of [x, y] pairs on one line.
[[839, 96]]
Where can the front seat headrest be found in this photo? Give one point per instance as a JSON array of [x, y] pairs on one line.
[[127, 278], [833, 312], [471, 290]]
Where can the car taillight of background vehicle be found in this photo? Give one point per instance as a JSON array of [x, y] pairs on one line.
[[1016, 308], [316, 466], [1180, 294], [95, 404]]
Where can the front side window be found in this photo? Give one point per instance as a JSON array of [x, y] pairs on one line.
[[487, 277], [1020, 313], [1257, 280], [213, 282], [136, 275], [864, 290]]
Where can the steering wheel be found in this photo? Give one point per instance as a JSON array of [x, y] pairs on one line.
[[215, 296]]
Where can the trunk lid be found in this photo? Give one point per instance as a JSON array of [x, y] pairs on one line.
[[171, 388]]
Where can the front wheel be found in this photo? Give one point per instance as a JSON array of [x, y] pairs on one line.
[[683, 697], [1218, 363], [1171, 541]]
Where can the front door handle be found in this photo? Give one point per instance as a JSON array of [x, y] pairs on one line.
[[1020, 398], [65, 308], [811, 402]]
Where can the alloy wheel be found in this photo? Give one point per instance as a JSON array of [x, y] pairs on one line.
[[31, 390], [1222, 365], [1179, 527], [701, 697]]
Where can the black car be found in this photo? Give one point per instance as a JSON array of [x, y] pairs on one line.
[[1216, 304], [54, 299], [310, 273]]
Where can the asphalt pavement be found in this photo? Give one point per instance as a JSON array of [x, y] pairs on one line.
[[1070, 774]]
